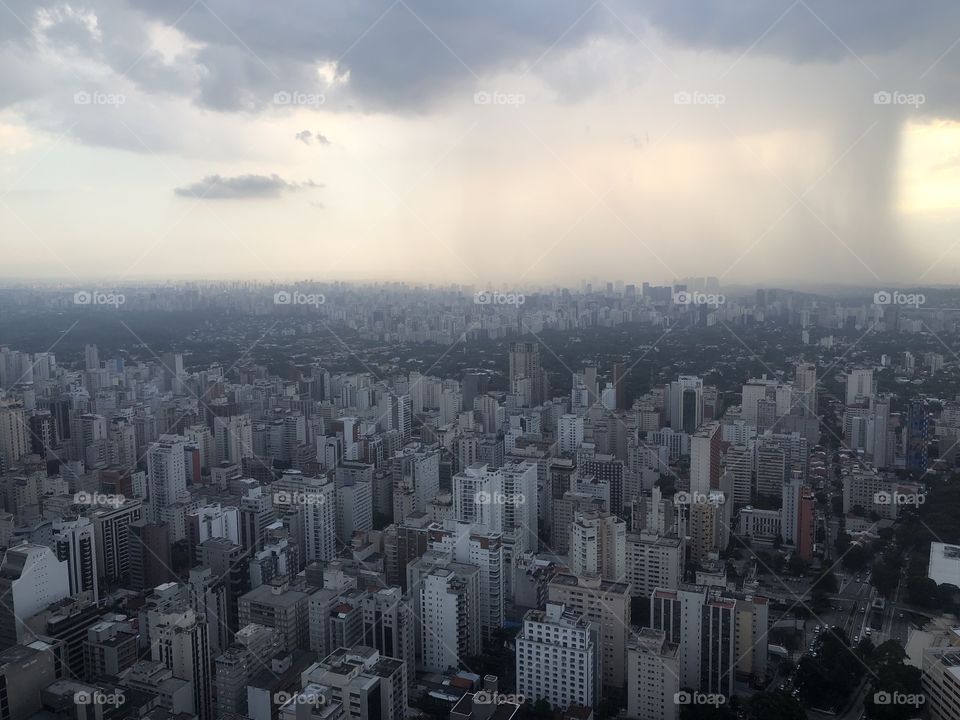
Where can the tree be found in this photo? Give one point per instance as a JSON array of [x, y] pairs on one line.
[[797, 565], [856, 558], [767, 705]]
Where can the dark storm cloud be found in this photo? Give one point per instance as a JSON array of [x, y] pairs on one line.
[[216, 187]]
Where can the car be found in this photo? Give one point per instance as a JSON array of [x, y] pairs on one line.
[[856, 638], [816, 629], [867, 632], [899, 615]]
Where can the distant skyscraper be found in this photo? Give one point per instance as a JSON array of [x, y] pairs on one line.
[[73, 542], [525, 363], [620, 374], [860, 387]]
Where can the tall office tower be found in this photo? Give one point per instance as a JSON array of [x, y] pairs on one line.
[[474, 385], [472, 545], [232, 438], [226, 561], [686, 404], [653, 561], [653, 671], [679, 614], [451, 405], [558, 657], [598, 545], [31, 578], [318, 498], [179, 640], [13, 432], [42, 433], [605, 603], [917, 436], [415, 388], [388, 626], [256, 514], [805, 389], [208, 598], [520, 506], [354, 483], [771, 469], [620, 375], [488, 411], [253, 645], [91, 357], [606, 470], [401, 416], [111, 537], [148, 554], [416, 480], [806, 523], [880, 419], [705, 454], [478, 497], [449, 618], [525, 363], [166, 476], [569, 434], [764, 401], [860, 386], [73, 542], [789, 508], [705, 529], [739, 460]]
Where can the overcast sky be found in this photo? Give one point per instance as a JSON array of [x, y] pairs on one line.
[[508, 142]]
